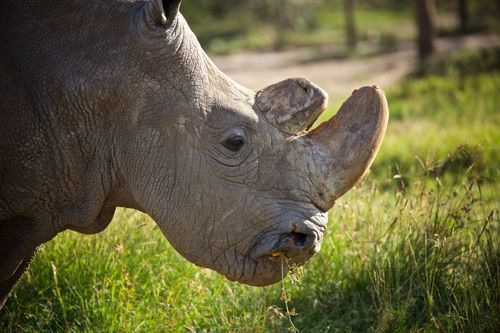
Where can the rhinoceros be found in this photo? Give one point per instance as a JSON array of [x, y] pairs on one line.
[[114, 103]]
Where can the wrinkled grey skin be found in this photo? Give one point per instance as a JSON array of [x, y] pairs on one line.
[[114, 103]]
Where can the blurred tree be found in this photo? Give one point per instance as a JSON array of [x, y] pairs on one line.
[[350, 24], [463, 15], [286, 16], [283, 21], [425, 12]]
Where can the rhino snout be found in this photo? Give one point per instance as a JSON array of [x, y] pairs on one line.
[[297, 246]]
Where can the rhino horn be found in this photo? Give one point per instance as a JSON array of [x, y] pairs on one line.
[[345, 146], [292, 105], [162, 12]]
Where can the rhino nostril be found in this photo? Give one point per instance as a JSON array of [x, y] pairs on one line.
[[298, 239]]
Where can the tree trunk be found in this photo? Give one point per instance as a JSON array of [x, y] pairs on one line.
[[463, 15], [350, 24], [425, 24]]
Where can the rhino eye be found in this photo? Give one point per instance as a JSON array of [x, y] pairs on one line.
[[234, 143]]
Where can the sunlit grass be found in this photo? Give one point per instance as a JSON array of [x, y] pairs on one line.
[[415, 247], [427, 257]]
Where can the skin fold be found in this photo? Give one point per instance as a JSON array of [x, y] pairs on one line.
[[114, 103]]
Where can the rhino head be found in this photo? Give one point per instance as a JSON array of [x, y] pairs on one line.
[[234, 178], [114, 103]]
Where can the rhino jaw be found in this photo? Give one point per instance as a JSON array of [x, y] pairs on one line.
[[345, 146]]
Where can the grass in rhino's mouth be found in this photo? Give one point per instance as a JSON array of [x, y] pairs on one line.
[[294, 274]]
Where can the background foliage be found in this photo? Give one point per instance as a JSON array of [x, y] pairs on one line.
[[225, 26]]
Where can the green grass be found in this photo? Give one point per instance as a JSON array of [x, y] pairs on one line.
[[414, 248]]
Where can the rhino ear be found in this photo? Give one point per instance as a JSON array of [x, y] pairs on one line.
[[162, 12], [292, 105]]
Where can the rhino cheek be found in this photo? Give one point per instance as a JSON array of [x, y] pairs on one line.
[[211, 222]]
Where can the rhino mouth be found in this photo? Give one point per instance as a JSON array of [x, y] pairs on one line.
[[296, 246], [269, 253]]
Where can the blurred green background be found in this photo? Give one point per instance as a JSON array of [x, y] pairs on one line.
[[226, 26]]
